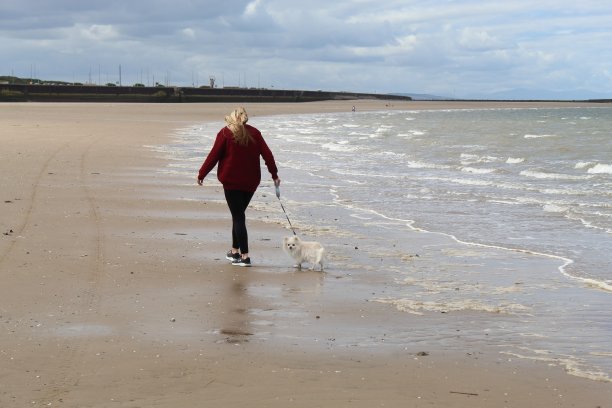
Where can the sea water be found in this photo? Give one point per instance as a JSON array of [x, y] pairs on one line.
[[511, 210]]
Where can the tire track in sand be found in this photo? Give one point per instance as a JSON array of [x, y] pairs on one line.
[[18, 231], [72, 351]]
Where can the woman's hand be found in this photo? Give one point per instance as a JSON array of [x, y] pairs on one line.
[[200, 181], [277, 182]]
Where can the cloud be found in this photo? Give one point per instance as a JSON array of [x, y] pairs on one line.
[[466, 46], [251, 8], [477, 39], [189, 32], [98, 32]]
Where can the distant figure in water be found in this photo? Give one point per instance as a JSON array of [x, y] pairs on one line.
[[353, 108], [237, 149]]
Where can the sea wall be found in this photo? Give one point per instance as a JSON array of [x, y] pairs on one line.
[[93, 93]]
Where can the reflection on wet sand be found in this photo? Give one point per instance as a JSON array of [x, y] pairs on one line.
[[252, 300], [235, 324]]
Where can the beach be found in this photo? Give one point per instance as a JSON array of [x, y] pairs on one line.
[[115, 291]]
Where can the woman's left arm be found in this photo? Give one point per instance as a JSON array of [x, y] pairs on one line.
[[213, 157]]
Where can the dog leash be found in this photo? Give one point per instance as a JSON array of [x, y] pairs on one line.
[[283, 207]]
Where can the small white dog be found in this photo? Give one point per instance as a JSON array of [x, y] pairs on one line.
[[304, 251]]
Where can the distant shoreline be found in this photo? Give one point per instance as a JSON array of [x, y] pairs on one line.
[[95, 93], [164, 94], [517, 100]]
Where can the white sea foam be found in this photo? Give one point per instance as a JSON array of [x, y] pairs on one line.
[[558, 191], [582, 165], [503, 202], [418, 307], [392, 154], [600, 169], [345, 172], [422, 165], [474, 170], [572, 365], [554, 208], [306, 131], [411, 132], [528, 136], [514, 160], [360, 217], [467, 159], [384, 128], [340, 147], [529, 200], [471, 182], [555, 176]]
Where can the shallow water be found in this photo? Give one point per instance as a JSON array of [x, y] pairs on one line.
[[511, 210]]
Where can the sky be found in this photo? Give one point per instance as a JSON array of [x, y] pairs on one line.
[[453, 48]]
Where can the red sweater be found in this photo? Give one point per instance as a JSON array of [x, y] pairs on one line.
[[239, 166]]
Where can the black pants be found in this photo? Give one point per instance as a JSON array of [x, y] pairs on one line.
[[238, 201]]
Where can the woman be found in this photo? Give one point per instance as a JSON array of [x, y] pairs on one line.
[[237, 150]]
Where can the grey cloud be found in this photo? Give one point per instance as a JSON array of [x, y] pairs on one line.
[[362, 45]]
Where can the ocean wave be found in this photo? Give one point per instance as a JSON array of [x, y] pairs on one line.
[[340, 147], [529, 136], [514, 160], [410, 133], [572, 365], [422, 165], [564, 191], [345, 172], [554, 176], [554, 205], [603, 285], [391, 154], [477, 171], [497, 201], [384, 128], [470, 182], [553, 208], [468, 158], [582, 165], [590, 224], [418, 307], [596, 213], [600, 169]]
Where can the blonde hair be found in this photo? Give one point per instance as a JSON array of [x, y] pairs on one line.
[[235, 122]]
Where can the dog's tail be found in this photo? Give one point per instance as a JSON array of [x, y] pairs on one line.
[[320, 256]]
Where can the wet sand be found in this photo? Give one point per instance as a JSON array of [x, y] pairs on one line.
[[115, 290]]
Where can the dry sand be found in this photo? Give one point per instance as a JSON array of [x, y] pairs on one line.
[[114, 291]]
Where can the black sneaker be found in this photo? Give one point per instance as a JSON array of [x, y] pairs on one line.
[[232, 257], [242, 262]]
